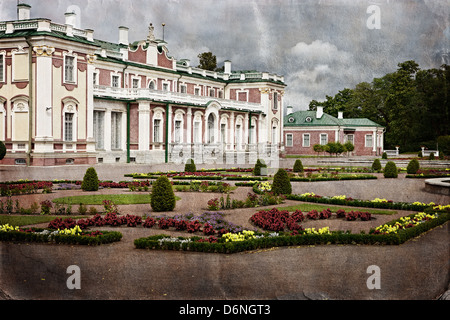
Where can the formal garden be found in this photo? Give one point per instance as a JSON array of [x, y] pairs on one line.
[[232, 209]]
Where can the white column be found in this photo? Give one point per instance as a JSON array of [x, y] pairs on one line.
[[232, 130], [107, 128], [144, 125], [90, 108], [189, 126], [374, 141], [44, 107], [246, 129]]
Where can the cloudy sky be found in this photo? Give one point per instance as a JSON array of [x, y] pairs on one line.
[[320, 46]]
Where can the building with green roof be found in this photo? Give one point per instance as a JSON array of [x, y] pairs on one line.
[[304, 129]]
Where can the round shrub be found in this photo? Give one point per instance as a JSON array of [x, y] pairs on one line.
[[390, 170], [376, 165], [162, 197], [413, 166], [298, 166], [2, 150], [90, 180], [190, 166], [384, 156], [281, 183]]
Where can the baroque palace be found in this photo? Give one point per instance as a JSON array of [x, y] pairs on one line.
[[68, 98]]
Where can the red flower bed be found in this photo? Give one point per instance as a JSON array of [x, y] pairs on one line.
[[325, 214], [149, 222], [313, 214], [208, 229]]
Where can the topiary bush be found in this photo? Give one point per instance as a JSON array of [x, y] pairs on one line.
[[298, 166], [376, 165], [258, 165], [190, 166], [2, 150], [413, 166], [162, 196], [90, 180], [281, 183], [390, 170], [384, 155]]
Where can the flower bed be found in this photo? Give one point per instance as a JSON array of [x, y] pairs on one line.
[[22, 187], [375, 203], [72, 235], [280, 220], [243, 241]]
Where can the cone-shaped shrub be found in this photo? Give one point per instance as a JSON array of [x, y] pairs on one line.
[[90, 180], [390, 170], [298, 166], [413, 166], [258, 165], [376, 165], [190, 166], [281, 183], [162, 197]]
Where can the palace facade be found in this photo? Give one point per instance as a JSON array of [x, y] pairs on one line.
[[69, 98]]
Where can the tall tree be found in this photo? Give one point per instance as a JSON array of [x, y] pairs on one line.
[[208, 61]]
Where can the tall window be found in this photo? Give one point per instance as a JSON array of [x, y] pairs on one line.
[[238, 136], [2, 68], [177, 131], [323, 139], [306, 140], [275, 100], [115, 81], [151, 85], [135, 83], [156, 130], [116, 125], [197, 138], [211, 128], [68, 126], [289, 140], [69, 68], [369, 141], [223, 128], [99, 118]]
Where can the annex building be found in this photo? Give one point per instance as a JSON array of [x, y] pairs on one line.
[[304, 129], [69, 98]]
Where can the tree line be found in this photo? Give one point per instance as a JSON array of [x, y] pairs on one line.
[[412, 104]]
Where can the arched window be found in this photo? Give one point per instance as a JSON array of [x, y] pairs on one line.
[[151, 85], [211, 129]]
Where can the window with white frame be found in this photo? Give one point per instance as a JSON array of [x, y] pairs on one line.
[[165, 86], [197, 91], [211, 128], [197, 136], [369, 141], [223, 132], [135, 83], [68, 126], [183, 88], [2, 67], [157, 130], [275, 100], [115, 80], [69, 69], [151, 85], [306, 140], [289, 140], [116, 130], [323, 139], [99, 120], [177, 132], [211, 92], [95, 78], [349, 138]]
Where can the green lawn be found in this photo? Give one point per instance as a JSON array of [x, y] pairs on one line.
[[28, 220], [308, 207], [97, 199]]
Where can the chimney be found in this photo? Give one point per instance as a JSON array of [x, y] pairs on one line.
[[319, 112], [23, 11], [288, 110], [123, 35], [70, 18], [340, 115], [227, 67]]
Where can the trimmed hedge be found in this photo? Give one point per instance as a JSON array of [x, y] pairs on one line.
[[285, 239], [21, 236], [390, 170], [337, 178], [162, 197], [281, 183], [90, 180], [360, 203]]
